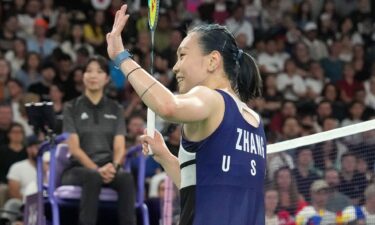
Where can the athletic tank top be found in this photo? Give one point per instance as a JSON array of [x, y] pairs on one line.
[[222, 176]]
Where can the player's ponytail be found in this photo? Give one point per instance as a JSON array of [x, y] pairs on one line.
[[249, 81]]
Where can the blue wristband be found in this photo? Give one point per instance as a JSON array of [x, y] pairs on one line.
[[120, 58]]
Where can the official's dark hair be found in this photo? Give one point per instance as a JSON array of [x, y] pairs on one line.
[[103, 63], [240, 67]]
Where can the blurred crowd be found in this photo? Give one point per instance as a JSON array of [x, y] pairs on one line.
[[316, 57]]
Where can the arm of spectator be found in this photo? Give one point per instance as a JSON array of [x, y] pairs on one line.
[[14, 188]]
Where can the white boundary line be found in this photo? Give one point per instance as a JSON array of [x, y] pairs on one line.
[[321, 136]]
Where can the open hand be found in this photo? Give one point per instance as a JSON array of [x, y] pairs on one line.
[[114, 39]]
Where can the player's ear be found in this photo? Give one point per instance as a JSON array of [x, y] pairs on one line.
[[214, 59]]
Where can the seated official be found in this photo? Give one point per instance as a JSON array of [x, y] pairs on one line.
[[97, 144]]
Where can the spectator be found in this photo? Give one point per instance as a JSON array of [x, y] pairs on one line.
[[77, 75], [17, 101], [288, 109], [11, 153], [352, 183], [29, 73], [304, 13], [48, 72], [324, 110], [271, 15], [328, 154], [286, 187], [271, 101], [331, 94], [50, 12], [347, 28], [40, 43], [369, 207], [21, 174], [253, 11], [220, 12], [6, 118], [291, 129], [56, 95], [26, 17], [163, 33], [333, 65], [348, 85], [315, 81], [304, 172], [170, 52], [317, 48], [97, 144], [302, 58], [319, 196], [17, 55], [75, 41], [356, 110], [327, 29], [291, 83], [8, 33], [135, 125], [63, 28], [94, 32], [237, 24], [64, 78], [269, 61], [271, 199], [5, 73], [363, 168], [337, 201]]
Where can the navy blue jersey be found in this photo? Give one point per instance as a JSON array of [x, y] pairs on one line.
[[222, 176]]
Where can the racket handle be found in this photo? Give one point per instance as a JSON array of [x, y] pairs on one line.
[[150, 126]]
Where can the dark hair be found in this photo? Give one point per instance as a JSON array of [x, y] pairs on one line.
[[240, 67], [25, 65], [15, 124], [347, 154], [16, 81], [103, 63]]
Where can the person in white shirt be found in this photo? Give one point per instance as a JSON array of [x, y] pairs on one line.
[[270, 60], [315, 81], [318, 50], [237, 24], [20, 176], [291, 83]]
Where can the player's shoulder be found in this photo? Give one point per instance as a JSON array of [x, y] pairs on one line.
[[205, 92]]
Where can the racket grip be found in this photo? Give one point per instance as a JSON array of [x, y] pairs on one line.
[[150, 126]]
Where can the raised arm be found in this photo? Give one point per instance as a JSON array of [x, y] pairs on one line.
[[196, 105]]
